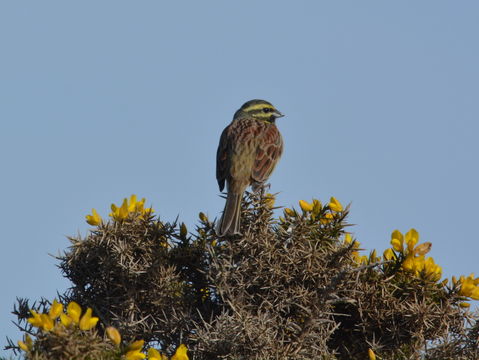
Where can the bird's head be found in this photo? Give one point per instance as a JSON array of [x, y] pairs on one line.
[[258, 109]]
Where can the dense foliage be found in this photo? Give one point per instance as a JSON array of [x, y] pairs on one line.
[[293, 287]]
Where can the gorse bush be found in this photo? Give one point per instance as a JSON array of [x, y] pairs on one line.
[[293, 287]]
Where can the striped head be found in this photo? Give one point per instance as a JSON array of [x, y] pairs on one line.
[[258, 109]]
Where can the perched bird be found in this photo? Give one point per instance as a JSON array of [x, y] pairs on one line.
[[249, 149]]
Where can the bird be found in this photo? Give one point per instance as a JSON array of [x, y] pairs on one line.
[[248, 151]]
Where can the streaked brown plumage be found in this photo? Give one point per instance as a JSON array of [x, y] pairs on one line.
[[249, 149]]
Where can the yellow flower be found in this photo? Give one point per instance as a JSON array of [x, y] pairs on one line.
[[432, 270], [140, 206], [474, 294], [289, 212], [408, 263], [316, 207], [148, 211], [42, 321], [135, 355], [363, 259], [114, 212], [47, 322], [335, 205], [327, 218], [154, 354], [22, 345], [132, 206], [397, 245], [55, 310], [134, 350], [119, 213], [469, 287], [123, 210], [65, 320], [180, 353], [113, 334], [397, 241], [136, 345], [348, 238], [424, 268], [466, 289], [93, 219], [27, 345], [356, 257], [305, 206], [74, 312], [88, 322], [388, 254], [29, 341], [412, 237], [373, 257], [36, 319], [371, 354]]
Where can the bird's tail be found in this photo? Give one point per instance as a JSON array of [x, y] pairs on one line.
[[229, 223]]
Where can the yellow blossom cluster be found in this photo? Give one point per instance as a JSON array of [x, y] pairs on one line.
[[405, 248], [133, 351], [406, 251], [468, 286], [154, 354], [134, 207], [56, 320], [360, 259], [129, 208], [73, 316], [314, 209]]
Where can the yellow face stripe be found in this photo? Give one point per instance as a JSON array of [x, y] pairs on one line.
[[258, 107]]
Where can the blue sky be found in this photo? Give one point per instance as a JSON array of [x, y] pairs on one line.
[[100, 100]]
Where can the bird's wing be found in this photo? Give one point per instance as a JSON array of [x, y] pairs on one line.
[[222, 159], [269, 151]]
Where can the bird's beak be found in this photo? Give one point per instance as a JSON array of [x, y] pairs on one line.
[[277, 114]]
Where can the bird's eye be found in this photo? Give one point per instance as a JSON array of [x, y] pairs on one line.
[[266, 110]]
